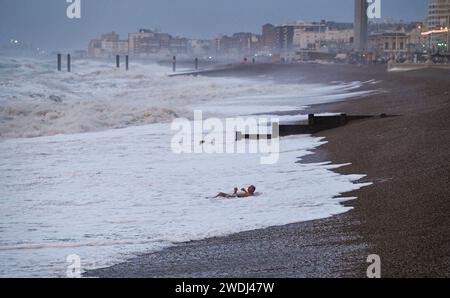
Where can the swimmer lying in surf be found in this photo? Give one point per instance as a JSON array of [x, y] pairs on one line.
[[250, 192]]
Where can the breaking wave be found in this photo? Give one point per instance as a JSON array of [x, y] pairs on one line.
[[36, 100]]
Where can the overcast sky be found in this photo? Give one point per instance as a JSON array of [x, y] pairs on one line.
[[45, 24]]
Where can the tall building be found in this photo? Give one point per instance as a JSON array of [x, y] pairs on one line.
[[200, 47], [284, 36], [438, 13], [115, 47], [147, 43], [241, 43], [438, 25], [110, 36], [360, 40], [109, 44], [141, 42], [322, 36], [268, 37], [95, 48], [309, 35]]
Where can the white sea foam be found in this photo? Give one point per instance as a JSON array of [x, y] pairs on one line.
[[109, 194], [36, 100]]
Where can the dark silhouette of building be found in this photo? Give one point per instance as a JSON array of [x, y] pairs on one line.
[[268, 38]]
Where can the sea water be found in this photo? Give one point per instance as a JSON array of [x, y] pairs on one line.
[[86, 166]]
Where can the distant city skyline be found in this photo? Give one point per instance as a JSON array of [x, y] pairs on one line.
[[44, 23]]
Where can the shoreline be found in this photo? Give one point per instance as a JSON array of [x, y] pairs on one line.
[[402, 217]]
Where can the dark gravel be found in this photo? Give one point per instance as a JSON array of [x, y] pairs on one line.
[[403, 217]]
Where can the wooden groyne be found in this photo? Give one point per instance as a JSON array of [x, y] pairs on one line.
[[315, 124], [69, 62], [407, 66], [198, 71]]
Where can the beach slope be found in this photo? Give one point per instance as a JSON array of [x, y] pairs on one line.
[[403, 217]]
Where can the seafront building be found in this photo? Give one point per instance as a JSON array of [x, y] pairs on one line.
[[381, 39], [284, 40], [287, 40], [438, 13], [321, 36], [389, 45], [438, 25], [109, 44], [268, 38], [200, 47], [95, 48], [147, 43], [237, 45], [144, 43]]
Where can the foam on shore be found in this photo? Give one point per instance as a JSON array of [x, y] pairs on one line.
[[108, 194], [36, 100]]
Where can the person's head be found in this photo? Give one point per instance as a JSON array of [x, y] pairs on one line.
[[251, 189]]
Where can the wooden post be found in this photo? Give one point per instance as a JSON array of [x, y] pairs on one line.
[[117, 61], [343, 119], [68, 63], [196, 63], [59, 62], [126, 62], [174, 63], [275, 131], [239, 136], [311, 119]]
